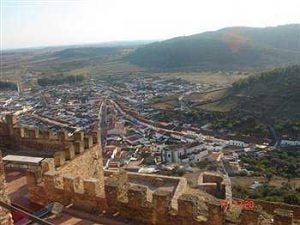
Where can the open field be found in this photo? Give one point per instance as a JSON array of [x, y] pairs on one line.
[[210, 101], [94, 62], [217, 107], [77, 61], [207, 96], [165, 103], [275, 181]]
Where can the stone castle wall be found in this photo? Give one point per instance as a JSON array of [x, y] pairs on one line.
[[213, 184], [41, 142], [5, 216], [131, 201], [271, 207], [73, 175], [176, 185]]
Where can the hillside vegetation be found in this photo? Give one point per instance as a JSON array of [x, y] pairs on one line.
[[87, 53], [259, 102], [228, 48], [66, 60], [275, 93]]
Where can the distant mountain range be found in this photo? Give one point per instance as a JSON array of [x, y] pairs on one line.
[[229, 48]]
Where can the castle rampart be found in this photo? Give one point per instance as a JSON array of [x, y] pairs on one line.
[[5, 216], [72, 173]]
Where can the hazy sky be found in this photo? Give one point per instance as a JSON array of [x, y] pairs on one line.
[[30, 23]]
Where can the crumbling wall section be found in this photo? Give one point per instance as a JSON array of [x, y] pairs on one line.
[[179, 183], [132, 202], [270, 207], [213, 184], [73, 176]]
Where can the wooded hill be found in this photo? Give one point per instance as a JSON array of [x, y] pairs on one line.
[[234, 48]]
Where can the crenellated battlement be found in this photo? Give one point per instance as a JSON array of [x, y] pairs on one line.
[[52, 181], [138, 201], [44, 142], [132, 201], [72, 173], [129, 200]]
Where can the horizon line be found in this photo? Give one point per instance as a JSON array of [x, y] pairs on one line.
[[128, 41]]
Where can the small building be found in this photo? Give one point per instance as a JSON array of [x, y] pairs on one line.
[[191, 152], [237, 143], [290, 143]]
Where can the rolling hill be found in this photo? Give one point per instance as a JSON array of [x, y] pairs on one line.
[[229, 48], [273, 94]]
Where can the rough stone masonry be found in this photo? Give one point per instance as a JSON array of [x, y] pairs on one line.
[[5, 216]]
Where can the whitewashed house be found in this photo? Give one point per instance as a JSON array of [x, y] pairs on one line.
[[237, 143], [289, 143]]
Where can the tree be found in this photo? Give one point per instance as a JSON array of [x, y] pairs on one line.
[[293, 199], [269, 176]]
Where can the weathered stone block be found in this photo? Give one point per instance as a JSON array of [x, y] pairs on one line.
[[249, 217], [59, 158], [187, 205], [137, 196], [88, 141], [50, 179], [70, 152], [79, 147], [111, 193], [96, 137], [161, 201], [47, 165], [71, 183], [92, 187], [215, 213], [78, 136], [63, 136]]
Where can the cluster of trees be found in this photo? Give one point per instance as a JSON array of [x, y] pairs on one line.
[[276, 80], [285, 163], [285, 193], [271, 96], [287, 127], [60, 79], [4, 85], [247, 125]]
